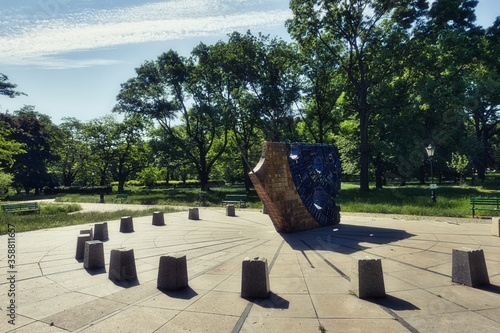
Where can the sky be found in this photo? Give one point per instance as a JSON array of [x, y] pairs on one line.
[[70, 56]]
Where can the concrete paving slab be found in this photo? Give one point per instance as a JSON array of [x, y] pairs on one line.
[[81, 315], [418, 302], [346, 306], [454, 322], [39, 327], [219, 302], [258, 323], [309, 277], [133, 319], [199, 322], [284, 306], [469, 298], [52, 305], [361, 325]]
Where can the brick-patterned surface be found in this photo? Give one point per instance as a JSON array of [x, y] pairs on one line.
[[275, 186]]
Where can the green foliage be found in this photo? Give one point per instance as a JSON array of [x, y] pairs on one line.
[[7, 88], [52, 209], [5, 182], [33, 222], [149, 176], [32, 129], [460, 164], [9, 148]]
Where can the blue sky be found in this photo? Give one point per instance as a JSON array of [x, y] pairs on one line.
[[70, 56]]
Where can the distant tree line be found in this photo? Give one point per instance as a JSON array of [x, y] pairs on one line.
[[380, 80]]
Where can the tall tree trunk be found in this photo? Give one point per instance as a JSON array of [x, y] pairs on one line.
[[365, 153], [378, 173]]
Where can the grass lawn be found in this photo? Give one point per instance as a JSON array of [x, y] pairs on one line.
[[51, 217], [452, 200]]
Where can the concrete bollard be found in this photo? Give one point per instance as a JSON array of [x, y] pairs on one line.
[[255, 278], [158, 218], [193, 214], [469, 267], [367, 277], [87, 231], [230, 211], [80, 245], [101, 231], [126, 224], [495, 226], [122, 265], [94, 255], [172, 273]]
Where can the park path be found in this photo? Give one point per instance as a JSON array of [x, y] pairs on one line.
[[108, 207]]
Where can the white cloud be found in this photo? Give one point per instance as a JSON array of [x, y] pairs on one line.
[[43, 40]]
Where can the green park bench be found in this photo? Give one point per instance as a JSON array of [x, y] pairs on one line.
[[236, 198], [25, 207], [492, 204], [122, 197]]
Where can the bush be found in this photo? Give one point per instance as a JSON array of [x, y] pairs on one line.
[[51, 209], [79, 190]]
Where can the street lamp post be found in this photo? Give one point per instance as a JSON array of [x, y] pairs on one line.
[[430, 153]]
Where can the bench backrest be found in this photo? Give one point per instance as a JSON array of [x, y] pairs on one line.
[[19, 206], [485, 201]]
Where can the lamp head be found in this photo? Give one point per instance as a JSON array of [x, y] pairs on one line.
[[430, 150]]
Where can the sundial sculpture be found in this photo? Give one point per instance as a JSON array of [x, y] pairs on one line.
[[298, 184]]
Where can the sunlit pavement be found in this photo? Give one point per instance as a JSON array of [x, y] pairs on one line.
[[309, 277]]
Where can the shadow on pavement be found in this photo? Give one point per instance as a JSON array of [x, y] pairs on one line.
[[343, 238]]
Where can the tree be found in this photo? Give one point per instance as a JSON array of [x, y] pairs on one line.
[[30, 168], [273, 78], [8, 148], [72, 150], [131, 151], [7, 88], [5, 182], [365, 38], [102, 136], [190, 90], [460, 164], [323, 93], [482, 99]]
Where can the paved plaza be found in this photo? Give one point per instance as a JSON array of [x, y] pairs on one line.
[[309, 274]]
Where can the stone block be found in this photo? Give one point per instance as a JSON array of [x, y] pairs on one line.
[[126, 224], [101, 231], [230, 210], [194, 214], [94, 255], [158, 218], [495, 226], [87, 231], [367, 278], [122, 265], [469, 267], [172, 273], [255, 278], [80, 245]]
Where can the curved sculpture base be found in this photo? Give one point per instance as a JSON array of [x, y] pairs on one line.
[[298, 184]]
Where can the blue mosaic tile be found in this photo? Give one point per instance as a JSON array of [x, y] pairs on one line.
[[315, 170]]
